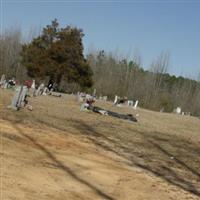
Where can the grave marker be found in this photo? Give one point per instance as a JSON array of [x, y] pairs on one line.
[[18, 99], [39, 90], [130, 103], [94, 93], [3, 79], [136, 104], [105, 98], [3, 82], [45, 91], [178, 110], [116, 99], [33, 84]]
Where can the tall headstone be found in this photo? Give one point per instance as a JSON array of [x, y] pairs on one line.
[[23, 96], [116, 99], [3, 81], [18, 99], [5, 85], [136, 104], [40, 89], [94, 93], [33, 84], [77, 96], [3, 78], [81, 96]]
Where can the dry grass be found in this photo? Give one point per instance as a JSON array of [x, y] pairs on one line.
[[164, 145]]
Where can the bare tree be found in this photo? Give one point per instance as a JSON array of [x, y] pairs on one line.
[[10, 43]]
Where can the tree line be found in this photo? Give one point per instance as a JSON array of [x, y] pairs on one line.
[[154, 88], [57, 54]]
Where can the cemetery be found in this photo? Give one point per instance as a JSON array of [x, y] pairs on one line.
[[96, 125], [65, 151]]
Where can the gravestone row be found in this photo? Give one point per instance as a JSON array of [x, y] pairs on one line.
[[119, 102], [5, 84]]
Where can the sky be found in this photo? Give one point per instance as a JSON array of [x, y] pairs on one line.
[[123, 27]]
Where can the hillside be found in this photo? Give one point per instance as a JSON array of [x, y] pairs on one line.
[[57, 152]]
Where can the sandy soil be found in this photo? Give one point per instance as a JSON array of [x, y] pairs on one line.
[[73, 157]]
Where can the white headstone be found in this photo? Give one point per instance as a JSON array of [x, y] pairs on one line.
[[178, 110], [94, 92], [116, 98], [80, 97], [24, 92], [45, 91], [18, 99], [5, 85], [33, 84], [88, 97], [130, 103], [136, 104], [105, 98], [84, 107], [3, 79], [40, 90]]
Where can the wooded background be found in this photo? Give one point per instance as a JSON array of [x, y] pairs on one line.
[[154, 88]]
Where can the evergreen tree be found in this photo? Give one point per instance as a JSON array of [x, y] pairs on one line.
[[58, 54]]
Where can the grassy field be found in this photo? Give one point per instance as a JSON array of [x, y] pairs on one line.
[[161, 151]]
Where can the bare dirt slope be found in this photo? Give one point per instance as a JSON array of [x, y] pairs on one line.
[[57, 152]]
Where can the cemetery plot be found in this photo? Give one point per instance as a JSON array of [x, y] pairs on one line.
[[57, 152]]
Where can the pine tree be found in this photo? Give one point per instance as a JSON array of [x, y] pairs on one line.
[[58, 53]]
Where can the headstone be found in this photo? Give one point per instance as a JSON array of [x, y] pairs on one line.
[[33, 84], [3, 79], [188, 114], [162, 110], [5, 85], [23, 96], [40, 89], [130, 103], [45, 91], [178, 110], [3, 82], [94, 93], [100, 98], [34, 92], [115, 101], [18, 100], [16, 97], [84, 107], [77, 96], [136, 104], [88, 97], [105, 98], [80, 97]]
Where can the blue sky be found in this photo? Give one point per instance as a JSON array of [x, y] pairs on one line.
[[148, 27]]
